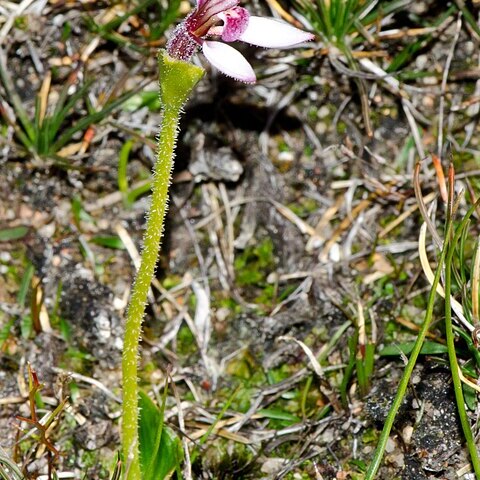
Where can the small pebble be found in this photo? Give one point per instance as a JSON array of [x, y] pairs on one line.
[[416, 379], [391, 445], [323, 112], [421, 62], [407, 433], [5, 256], [321, 128], [286, 156], [271, 466], [47, 231]]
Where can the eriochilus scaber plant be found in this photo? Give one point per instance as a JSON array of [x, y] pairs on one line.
[[211, 26]]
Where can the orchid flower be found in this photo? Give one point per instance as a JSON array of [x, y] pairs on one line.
[[225, 19]]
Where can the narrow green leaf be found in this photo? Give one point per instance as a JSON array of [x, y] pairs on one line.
[[470, 396], [347, 375], [24, 286], [429, 348], [37, 124], [13, 473], [139, 191], [79, 213], [159, 457], [278, 414], [5, 332], [471, 20], [369, 360], [122, 166], [26, 326], [117, 472], [14, 233], [109, 242], [147, 98], [62, 109]]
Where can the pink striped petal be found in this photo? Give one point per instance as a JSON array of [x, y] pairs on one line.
[[229, 61], [271, 33]]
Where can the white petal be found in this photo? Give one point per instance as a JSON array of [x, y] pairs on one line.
[[229, 61], [271, 33]]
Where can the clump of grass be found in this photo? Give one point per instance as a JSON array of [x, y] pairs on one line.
[[8, 469], [452, 264], [334, 21], [53, 127], [350, 31]]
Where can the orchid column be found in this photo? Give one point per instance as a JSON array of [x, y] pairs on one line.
[[211, 18]]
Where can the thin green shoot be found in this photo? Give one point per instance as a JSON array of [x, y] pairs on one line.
[[364, 366], [117, 471], [327, 349], [334, 20], [365, 352], [471, 20], [347, 374], [25, 285], [303, 400], [14, 233], [159, 432], [54, 315], [454, 367], [405, 348], [138, 191], [122, 168], [79, 213], [5, 331], [461, 273], [402, 388]]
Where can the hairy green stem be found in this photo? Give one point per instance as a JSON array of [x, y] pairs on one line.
[[141, 286], [177, 80]]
